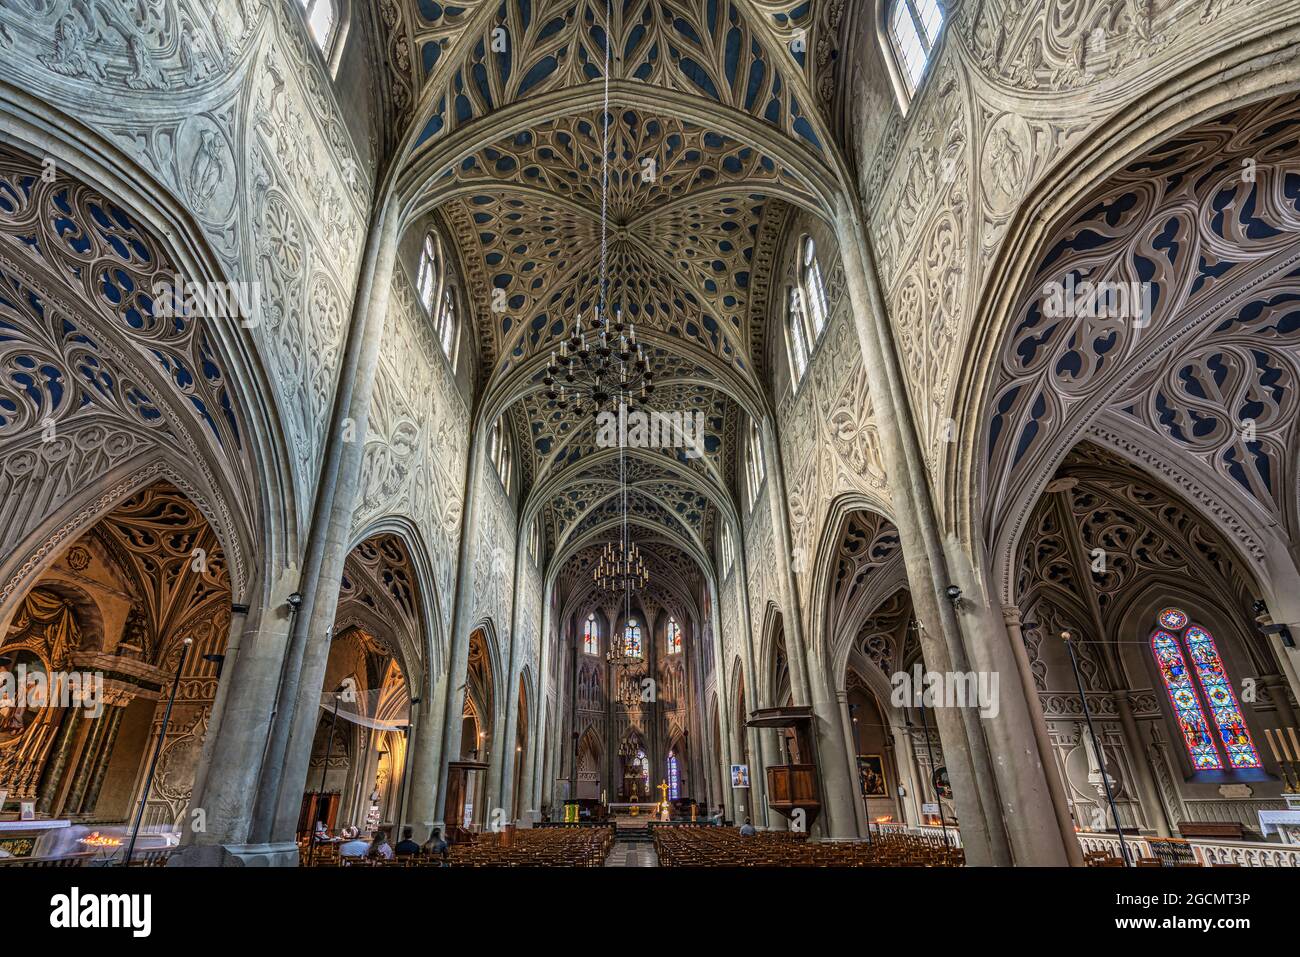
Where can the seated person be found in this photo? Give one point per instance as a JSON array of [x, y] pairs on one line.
[[435, 846], [406, 847], [747, 829], [380, 849], [354, 847]]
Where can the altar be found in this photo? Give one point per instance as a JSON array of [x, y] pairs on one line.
[[1286, 824], [30, 838]]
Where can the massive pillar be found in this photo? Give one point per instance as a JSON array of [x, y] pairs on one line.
[[284, 776], [969, 761], [453, 699]]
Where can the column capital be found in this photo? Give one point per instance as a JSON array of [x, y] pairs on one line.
[[1011, 615]]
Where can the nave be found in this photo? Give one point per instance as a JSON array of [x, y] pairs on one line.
[[567, 433]]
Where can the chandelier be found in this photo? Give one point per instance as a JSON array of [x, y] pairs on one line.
[[599, 368], [620, 567], [602, 367], [629, 690]]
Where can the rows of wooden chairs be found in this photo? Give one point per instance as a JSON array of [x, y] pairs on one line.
[[544, 847], [537, 847], [724, 847]]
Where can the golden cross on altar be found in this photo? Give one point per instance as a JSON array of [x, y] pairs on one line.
[[663, 791]]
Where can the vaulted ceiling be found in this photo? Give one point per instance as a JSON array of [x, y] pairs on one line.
[[709, 104]]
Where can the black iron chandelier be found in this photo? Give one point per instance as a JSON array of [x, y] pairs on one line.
[[601, 367]]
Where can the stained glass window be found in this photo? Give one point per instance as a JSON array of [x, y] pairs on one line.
[[590, 640], [1173, 644], [644, 766], [1223, 703], [674, 781], [674, 637], [1182, 696], [632, 638]]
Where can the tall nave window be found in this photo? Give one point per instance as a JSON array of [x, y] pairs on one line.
[[914, 27], [796, 337], [1175, 642], [590, 639], [754, 472], [448, 326], [674, 637], [728, 552], [426, 281], [499, 452], [674, 777], [814, 290], [321, 19], [438, 298]]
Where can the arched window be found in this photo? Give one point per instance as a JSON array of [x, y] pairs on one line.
[[632, 638], [499, 452], [728, 553], [754, 471], [674, 637], [674, 778], [535, 540], [426, 281], [321, 20], [1174, 643], [914, 27], [448, 326], [796, 337], [814, 290], [590, 637], [643, 765]]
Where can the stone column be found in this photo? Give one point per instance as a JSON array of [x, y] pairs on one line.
[[832, 754], [722, 761], [284, 774], [791, 618], [851, 752], [236, 747], [1042, 737], [453, 703], [905, 761], [1148, 794], [969, 762], [537, 722], [238, 621]]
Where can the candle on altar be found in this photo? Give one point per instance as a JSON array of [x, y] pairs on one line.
[[1268, 733]]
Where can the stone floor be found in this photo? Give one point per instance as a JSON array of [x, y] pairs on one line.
[[632, 854]]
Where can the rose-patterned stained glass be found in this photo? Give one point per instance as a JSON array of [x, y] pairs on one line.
[[1172, 619], [1223, 703], [1182, 695]]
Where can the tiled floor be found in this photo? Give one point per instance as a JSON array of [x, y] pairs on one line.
[[628, 854]]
